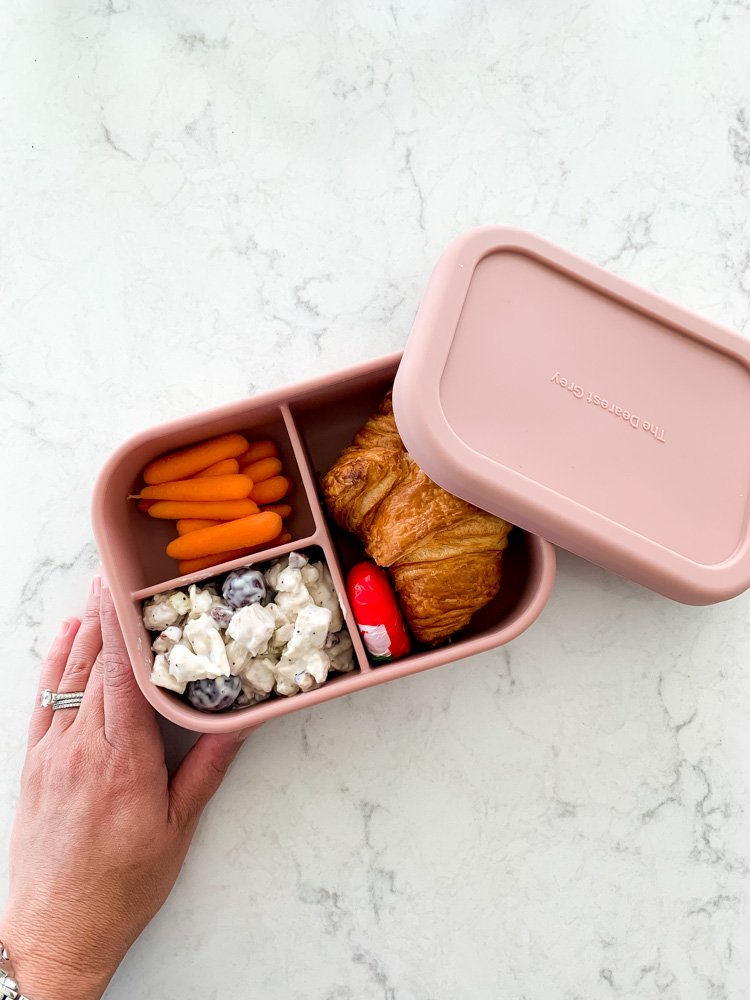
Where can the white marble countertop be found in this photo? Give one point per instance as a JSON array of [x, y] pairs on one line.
[[203, 200]]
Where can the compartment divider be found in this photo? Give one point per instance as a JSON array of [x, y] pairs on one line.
[[338, 579], [305, 470], [325, 541]]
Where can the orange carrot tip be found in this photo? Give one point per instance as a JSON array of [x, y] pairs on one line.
[[264, 469], [258, 450], [229, 467], [189, 461], [282, 509], [271, 490]]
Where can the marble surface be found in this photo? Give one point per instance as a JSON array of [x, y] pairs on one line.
[[201, 200]]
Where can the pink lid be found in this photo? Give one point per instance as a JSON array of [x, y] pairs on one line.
[[584, 409]]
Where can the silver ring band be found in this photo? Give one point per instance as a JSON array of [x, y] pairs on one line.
[[8, 985], [50, 699]]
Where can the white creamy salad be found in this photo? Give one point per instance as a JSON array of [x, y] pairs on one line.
[[231, 644]]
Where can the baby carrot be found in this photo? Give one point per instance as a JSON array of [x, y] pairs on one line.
[[257, 451], [271, 491], [229, 467], [212, 488], [245, 531], [185, 463], [282, 509], [187, 524], [145, 505], [266, 468], [193, 565], [217, 510]]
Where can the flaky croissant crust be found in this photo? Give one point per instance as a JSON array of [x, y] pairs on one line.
[[444, 555]]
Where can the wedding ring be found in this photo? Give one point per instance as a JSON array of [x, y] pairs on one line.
[[53, 700]]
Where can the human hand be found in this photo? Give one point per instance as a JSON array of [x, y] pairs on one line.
[[101, 832]]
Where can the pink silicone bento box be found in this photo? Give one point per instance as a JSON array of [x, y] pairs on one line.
[[589, 412], [310, 423]]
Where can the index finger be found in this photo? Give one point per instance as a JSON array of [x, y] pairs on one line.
[[124, 706]]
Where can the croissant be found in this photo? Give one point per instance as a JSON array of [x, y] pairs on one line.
[[443, 554]]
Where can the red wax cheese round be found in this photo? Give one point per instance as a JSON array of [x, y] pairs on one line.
[[376, 610]]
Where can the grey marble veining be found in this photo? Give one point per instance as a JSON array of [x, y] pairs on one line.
[[200, 201]]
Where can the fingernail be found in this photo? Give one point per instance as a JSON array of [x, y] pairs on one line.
[[64, 628], [96, 586], [244, 733]]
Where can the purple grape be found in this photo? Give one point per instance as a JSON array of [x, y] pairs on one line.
[[221, 615], [211, 695], [244, 587]]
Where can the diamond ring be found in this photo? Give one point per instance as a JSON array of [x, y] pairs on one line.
[[50, 699]]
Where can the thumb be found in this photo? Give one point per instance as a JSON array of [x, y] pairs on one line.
[[200, 774]]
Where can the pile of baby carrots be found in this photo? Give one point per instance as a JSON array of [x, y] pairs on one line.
[[224, 495]]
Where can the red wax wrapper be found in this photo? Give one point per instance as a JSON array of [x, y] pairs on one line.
[[377, 612]]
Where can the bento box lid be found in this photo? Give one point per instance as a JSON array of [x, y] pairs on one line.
[[585, 409]]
